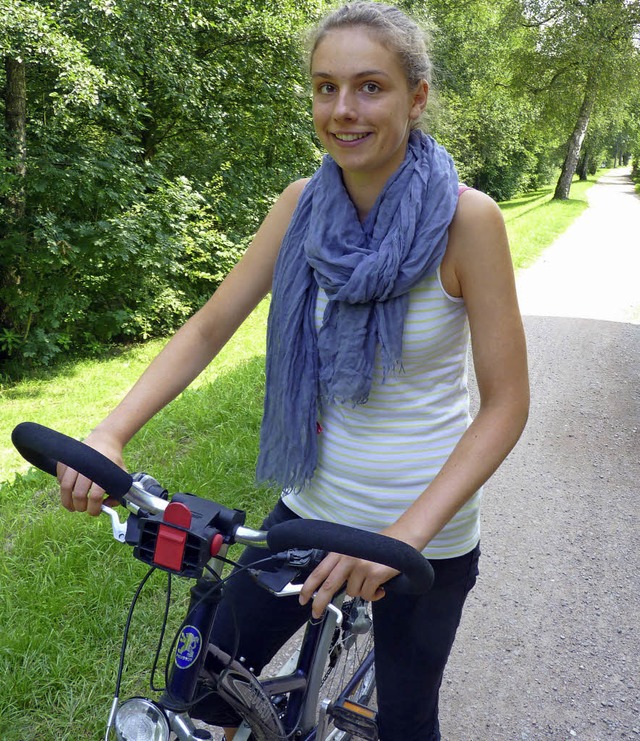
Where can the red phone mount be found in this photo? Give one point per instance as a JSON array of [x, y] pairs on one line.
[[186, 535]]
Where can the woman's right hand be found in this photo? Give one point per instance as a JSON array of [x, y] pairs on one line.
[[77, 492]]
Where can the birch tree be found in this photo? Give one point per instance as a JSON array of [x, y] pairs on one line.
[[586, 55]]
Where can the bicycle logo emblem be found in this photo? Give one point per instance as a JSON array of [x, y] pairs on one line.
[[189, 645]]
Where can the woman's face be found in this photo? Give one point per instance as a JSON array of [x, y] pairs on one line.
[[362, 106]]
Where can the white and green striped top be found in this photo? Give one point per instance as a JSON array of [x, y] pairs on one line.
[[375, 459]]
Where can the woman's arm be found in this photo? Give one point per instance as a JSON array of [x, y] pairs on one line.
[[477, 267], [188, 352]]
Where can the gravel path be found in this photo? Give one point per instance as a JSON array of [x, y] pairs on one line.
[[550, 642]]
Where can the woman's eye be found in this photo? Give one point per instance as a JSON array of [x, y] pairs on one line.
[[326, 88], [370, 87]]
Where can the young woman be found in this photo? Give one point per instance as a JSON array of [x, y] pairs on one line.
[[381, 268]]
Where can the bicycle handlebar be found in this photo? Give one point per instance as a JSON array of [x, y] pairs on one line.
[[416, 575], [44, 448]]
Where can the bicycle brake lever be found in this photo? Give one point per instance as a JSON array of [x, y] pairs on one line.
[[119, 529], [293, 589]]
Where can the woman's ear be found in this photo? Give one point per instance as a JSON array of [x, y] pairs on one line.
[[419, 100]]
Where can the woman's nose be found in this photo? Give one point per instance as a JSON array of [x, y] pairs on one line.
[[345, 106]]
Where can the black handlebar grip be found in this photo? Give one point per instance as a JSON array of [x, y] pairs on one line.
[[417, 573], [44, 448]]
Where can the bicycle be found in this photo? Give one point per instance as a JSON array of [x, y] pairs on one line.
[[189, 537]]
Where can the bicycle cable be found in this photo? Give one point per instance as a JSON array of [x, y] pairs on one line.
[[165, 619], [125, 637]]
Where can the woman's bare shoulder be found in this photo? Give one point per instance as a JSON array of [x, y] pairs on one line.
[[475, 206], [293, 191], [279, 216], [476, 233], [478, 221]]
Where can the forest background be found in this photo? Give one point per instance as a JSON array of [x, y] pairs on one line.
[[142, 141]]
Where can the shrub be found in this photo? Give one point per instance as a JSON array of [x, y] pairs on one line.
[[75, 286]]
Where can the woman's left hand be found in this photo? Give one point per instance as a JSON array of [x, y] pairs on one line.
[[363, 579]]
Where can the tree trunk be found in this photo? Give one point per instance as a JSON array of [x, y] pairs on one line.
[[15, 117], [575, 143], [15, 123], [583, 166]]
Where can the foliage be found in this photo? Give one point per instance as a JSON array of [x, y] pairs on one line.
[[133, 275], [511, 77], [584, 65], [150, 159], [158, 133], [481, 116]]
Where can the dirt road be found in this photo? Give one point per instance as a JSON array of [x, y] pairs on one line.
[[549, 647]]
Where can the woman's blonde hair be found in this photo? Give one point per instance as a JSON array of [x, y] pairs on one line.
[[392, 27]]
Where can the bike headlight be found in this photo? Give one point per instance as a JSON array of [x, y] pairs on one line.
[[141, 720]]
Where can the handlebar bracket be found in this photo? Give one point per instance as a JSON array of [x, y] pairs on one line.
[[185, 536]]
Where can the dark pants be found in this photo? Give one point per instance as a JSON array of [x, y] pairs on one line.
[[413, 639]]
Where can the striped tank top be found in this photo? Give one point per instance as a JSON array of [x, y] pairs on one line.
[[376, 458]]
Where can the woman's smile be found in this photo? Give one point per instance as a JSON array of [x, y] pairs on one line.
[[351, 138]]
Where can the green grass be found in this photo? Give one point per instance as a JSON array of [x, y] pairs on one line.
[[534, 220], [63, 612], [76, 396], [65, 583]]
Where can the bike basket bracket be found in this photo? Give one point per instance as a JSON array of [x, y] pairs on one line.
[[183, 538]]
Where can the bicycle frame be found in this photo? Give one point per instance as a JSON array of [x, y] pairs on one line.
[[301, 682], [252, 697]]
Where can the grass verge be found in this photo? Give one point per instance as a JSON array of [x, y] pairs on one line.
[[534, 220], [74, 397], [65, 583]]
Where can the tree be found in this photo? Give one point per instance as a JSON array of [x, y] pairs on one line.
[[29, 39], [486, 117], [26, 31], [15, 114], [142, 141], [584, 54], [129, 188], [126, 179], [576, 138]]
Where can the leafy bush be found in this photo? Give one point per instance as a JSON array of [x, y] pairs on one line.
[[134, 275], [134, 172]]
